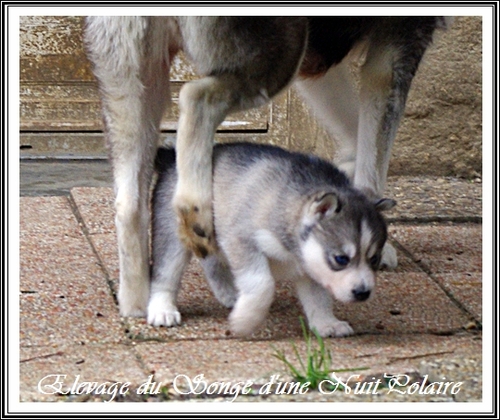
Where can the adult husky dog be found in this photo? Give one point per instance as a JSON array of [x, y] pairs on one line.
[[244, 62], [277, 215]]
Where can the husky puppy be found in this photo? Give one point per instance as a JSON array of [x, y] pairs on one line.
[[277, 214]]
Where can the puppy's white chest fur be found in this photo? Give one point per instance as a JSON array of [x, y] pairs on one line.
[[271, 246], [283, 263]]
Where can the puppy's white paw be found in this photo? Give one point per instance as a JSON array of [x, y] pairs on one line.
[[389, 257], [244, 322], [243, 326], [164, 318], [162, 312], [333, 329], [251, 309]]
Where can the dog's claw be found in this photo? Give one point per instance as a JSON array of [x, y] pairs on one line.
[[199, 231], [165, 319]]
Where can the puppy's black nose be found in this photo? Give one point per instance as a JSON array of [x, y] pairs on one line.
[[361, 294]]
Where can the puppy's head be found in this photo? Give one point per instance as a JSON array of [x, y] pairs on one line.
[[342, 237]]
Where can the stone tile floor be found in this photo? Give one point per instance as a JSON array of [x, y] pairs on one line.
[[425, 319]]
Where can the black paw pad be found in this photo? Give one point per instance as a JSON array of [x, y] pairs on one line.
[[199, 231], [201, 251]]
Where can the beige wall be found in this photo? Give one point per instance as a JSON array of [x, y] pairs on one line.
[[440, 134]]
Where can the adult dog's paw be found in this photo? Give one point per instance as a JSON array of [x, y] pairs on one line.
[[133, 302], [196, 227], [389, 257]]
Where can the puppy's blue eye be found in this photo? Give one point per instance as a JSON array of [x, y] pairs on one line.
[[342, 260]]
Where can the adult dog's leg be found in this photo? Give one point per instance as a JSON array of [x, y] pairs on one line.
[[131, 65], [247, 61], [394, 53], [334, 100], [392, 60]]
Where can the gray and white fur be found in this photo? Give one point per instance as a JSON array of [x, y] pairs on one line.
[[243, 62], [277, 215]]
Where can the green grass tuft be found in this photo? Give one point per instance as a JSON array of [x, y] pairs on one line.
[[317, 366]]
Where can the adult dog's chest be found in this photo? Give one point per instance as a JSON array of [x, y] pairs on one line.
[[330, 39]]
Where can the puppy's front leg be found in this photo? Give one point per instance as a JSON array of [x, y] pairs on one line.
[[317, 305]]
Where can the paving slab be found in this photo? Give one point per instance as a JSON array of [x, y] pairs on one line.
[[467, 289], [96, 207], [434, 198], [443, 249], [59, 276], [41, 365], [47, 214], [422, 319], [61, 256], [254, 360]]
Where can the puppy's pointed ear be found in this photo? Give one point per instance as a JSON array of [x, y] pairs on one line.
[[385, 204], [323, 206]]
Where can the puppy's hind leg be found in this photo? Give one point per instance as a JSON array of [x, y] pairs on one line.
[[221, 279], [170, 260], [132, 70], [170, 256]]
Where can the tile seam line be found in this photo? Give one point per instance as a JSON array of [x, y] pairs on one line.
[[125, 327], [87, 235], [478, 220], [425, 269]]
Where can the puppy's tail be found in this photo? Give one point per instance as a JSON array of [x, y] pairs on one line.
[[165, 159]]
